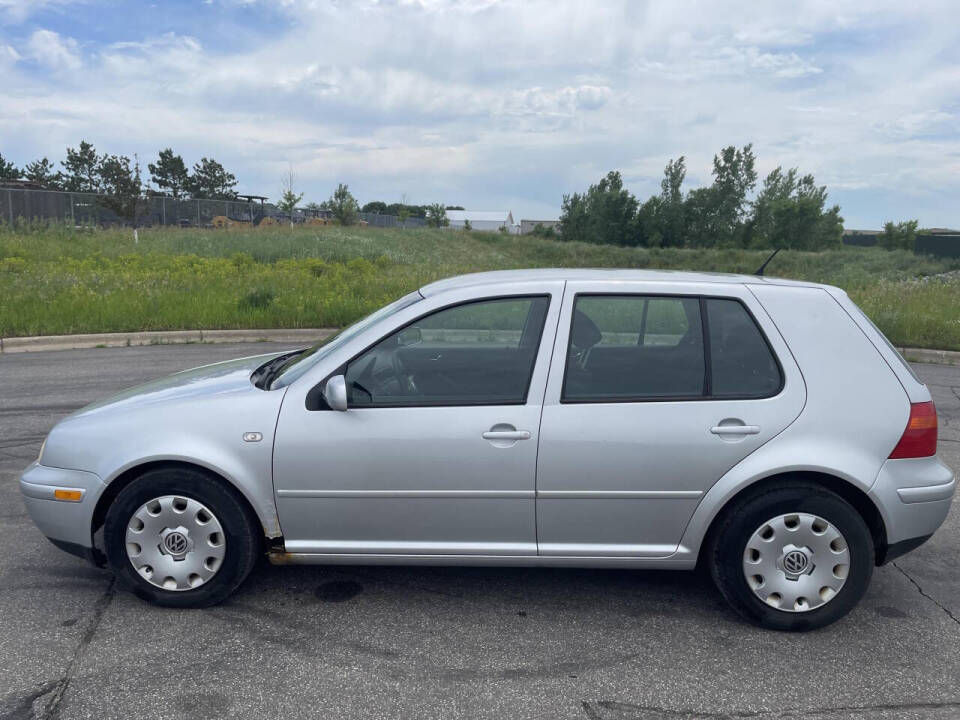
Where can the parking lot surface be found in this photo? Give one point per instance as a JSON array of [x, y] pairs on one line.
[[384, 642]]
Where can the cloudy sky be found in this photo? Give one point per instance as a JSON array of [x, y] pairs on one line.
[[499, 104]]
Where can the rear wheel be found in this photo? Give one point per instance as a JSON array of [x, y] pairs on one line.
[[180, 538], [794, 557]]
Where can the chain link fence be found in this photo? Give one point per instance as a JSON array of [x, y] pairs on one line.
[[391, 221], [88, 209]]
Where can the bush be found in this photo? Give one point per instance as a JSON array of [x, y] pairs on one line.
[[256, 299]]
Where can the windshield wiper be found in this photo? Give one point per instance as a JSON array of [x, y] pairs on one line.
[[267, 373]]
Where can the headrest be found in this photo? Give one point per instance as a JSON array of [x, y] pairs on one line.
[[584, 333]]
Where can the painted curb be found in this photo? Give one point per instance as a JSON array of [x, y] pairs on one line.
[[40, 343], [306, 336], [937, 357]]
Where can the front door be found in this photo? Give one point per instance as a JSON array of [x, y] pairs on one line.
[[654, 394], [436, 453]]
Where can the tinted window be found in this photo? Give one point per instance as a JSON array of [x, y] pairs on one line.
[[634, 347], [479, 353], [741, 360]]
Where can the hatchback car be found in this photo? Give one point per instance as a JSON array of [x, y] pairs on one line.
[[592, 418]]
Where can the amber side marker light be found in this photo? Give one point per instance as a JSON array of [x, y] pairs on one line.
[[920, 437], [68, 495]]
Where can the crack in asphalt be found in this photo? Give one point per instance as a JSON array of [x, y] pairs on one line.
[[52, 710], [21, 708], [611, 710], [926, 595]]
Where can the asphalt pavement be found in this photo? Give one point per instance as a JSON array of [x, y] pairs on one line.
[[388, 642]]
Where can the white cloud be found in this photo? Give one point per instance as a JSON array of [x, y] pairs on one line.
[[520, 99], [48, 48], [17, 11]]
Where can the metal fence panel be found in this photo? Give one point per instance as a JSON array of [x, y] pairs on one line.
[[391, 221], [22, 205], [939, 245]]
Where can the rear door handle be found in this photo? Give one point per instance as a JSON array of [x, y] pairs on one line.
[[735, 429], [506, 435]]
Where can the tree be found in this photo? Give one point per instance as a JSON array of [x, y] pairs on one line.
[[671, 217], [717, 213], [606, 213], [289, 199], [122, 187], [545, 232], [662, 219], [466, 225], [82, 168], [8, 171], [169, 173], [377, 207], [41, 172], [789, 213], [898, 236], [343, 205], [437, 216], [211, 181], [455, 207]]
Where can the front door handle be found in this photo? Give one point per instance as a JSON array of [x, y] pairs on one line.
[[735, 429], [506, 435]]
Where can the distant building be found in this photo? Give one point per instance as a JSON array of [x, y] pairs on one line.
[[21, 184], [483, 220], [527, 226]]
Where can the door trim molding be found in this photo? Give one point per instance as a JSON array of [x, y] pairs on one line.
[[618, 494], [458, 494]]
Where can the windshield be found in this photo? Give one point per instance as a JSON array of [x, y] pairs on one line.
[[299, 364]]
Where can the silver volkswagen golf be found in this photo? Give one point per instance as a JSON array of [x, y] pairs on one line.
[[762, 428]]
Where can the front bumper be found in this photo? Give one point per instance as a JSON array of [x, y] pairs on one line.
[[914, 497], [66, 523]]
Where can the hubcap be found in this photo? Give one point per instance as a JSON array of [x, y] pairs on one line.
[[175, 543], [796, 562]]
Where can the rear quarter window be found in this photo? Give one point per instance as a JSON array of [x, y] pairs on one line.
[[742, 363]]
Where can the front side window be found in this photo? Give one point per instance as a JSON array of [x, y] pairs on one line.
[[625, 347], [479, 353]]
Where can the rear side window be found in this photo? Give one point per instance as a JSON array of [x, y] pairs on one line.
[[634, 347], [626, 348], [742, 363]]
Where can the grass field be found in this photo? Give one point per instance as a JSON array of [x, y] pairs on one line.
[[59, 280]]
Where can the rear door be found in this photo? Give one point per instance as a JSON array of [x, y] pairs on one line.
[[655, 392]]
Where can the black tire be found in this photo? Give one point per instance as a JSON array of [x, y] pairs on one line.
[[741, 520], [242, 536]]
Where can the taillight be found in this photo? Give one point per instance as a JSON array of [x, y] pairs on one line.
[[920, 437]]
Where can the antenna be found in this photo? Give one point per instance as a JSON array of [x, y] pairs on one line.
[[763, 267]]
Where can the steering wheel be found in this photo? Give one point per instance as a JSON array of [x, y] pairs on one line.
[[400, 371]]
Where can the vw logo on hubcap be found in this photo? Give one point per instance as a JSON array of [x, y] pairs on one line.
[[176, 543], [794, 562]]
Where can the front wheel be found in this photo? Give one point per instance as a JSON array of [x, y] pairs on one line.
[[179, 538], [795, 557]]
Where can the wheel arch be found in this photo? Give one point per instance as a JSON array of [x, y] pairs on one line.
[[860, 501], [128, 475]]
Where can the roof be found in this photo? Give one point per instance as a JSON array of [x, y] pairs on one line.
[[588, 274], [478, 215]]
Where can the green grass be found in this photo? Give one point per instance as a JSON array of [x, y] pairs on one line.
[[60, 280]]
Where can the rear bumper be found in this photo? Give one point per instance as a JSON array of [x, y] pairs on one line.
[[914, 497], [66, 524]]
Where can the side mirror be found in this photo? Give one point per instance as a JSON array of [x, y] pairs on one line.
[[409, 336], [335, 393]]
